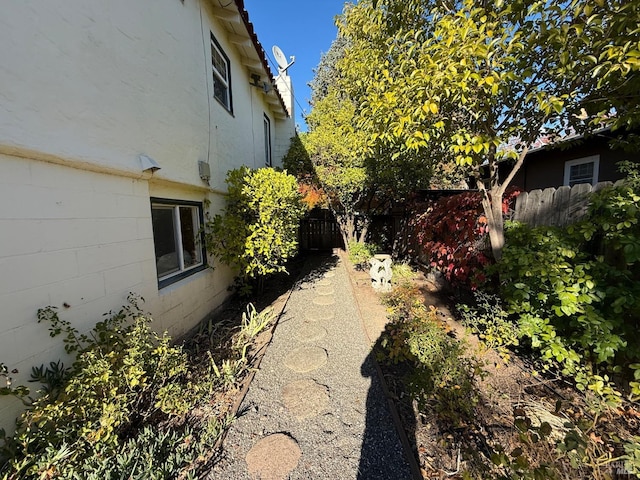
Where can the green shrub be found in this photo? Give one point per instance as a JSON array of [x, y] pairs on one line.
[[442, 376], [402, 273], [557, 293], [491, 323], [124, 409], [576, 292], [123, 373], [360, 253], [257, 233], [123, 376]]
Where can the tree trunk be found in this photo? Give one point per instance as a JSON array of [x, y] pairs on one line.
[[492, 206], [492, 201], [346, 223], [363, 231]]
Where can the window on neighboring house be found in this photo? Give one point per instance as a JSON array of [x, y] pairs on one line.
[[221, 74], [177, 238], [581, 170], [267, 141]]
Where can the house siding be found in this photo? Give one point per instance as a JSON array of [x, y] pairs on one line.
[[545, 168], [87, 87]]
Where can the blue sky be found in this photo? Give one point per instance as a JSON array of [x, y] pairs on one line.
[[303, 28]]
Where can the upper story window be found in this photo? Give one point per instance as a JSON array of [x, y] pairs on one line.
[[267, 141], [582, 170], [177, 239], [221, 74]]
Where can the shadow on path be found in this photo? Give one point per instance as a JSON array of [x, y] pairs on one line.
[[385, 450]]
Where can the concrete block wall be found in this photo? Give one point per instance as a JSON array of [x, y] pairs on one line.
[[67, 237], [84, 239]]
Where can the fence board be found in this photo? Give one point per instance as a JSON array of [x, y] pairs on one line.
[[555, 206], [561, 202]]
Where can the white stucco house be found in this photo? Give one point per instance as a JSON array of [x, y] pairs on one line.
[[95, 95]]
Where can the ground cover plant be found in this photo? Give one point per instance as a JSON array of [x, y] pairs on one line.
[[360, 253], [471, 412], [132, 404]]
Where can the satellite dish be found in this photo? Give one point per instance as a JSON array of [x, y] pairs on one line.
[[281, 59]]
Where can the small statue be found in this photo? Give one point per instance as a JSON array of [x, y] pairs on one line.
[[380, 272]]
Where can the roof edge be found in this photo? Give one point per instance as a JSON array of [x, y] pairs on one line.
[[261, 52]]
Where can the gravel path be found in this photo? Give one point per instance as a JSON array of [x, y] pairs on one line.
[[315, 409]]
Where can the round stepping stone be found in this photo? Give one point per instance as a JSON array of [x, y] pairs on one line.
[[324, 291], [330, 274], [273, 457], [325, 282], [310, 332], [316, 316], [305, 398], [324, 301], [306, 359]]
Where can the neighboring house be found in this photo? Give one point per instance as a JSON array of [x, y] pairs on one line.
[[569, 162], [95, 95]]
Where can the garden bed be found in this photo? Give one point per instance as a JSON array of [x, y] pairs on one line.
[[522, 424]]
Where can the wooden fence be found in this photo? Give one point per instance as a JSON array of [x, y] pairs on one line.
[[555, 206]]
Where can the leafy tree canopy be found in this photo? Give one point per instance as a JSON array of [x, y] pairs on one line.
[[460, 81]]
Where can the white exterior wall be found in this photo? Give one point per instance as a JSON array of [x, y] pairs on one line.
[[285, 130], [87, 86]]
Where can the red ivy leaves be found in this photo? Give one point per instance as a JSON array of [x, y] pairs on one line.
[[452, 233]]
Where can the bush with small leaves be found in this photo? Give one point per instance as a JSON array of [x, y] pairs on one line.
[[360, 253], [257, 232]]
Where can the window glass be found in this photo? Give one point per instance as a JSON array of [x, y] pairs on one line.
[[581, 173], [192, 251], [164, 239], [177, 239], [220, 68], [267, 141], [581, 170]]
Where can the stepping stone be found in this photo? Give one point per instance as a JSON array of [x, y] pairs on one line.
[[306, 359], [324, 300], [325, 282], [316, 316], [310, 332], [324, 291], [273, 457], [305, 398]]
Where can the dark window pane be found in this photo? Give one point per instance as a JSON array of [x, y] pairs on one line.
[[165, 241], [190, 245], [220, 91], [581, 173]]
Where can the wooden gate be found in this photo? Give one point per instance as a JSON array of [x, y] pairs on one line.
[[319, 231]]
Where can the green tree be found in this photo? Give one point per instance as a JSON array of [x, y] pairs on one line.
[[338, 167], [257, 231], [601, 53], [358, 182], [461, 81]]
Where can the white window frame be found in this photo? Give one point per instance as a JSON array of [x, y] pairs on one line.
[[268, 156], [595, 159], [222, 78], [197, 218]]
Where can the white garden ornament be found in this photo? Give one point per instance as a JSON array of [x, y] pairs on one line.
[[380, 272]]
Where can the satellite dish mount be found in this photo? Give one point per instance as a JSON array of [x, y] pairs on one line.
[[281, 59]]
